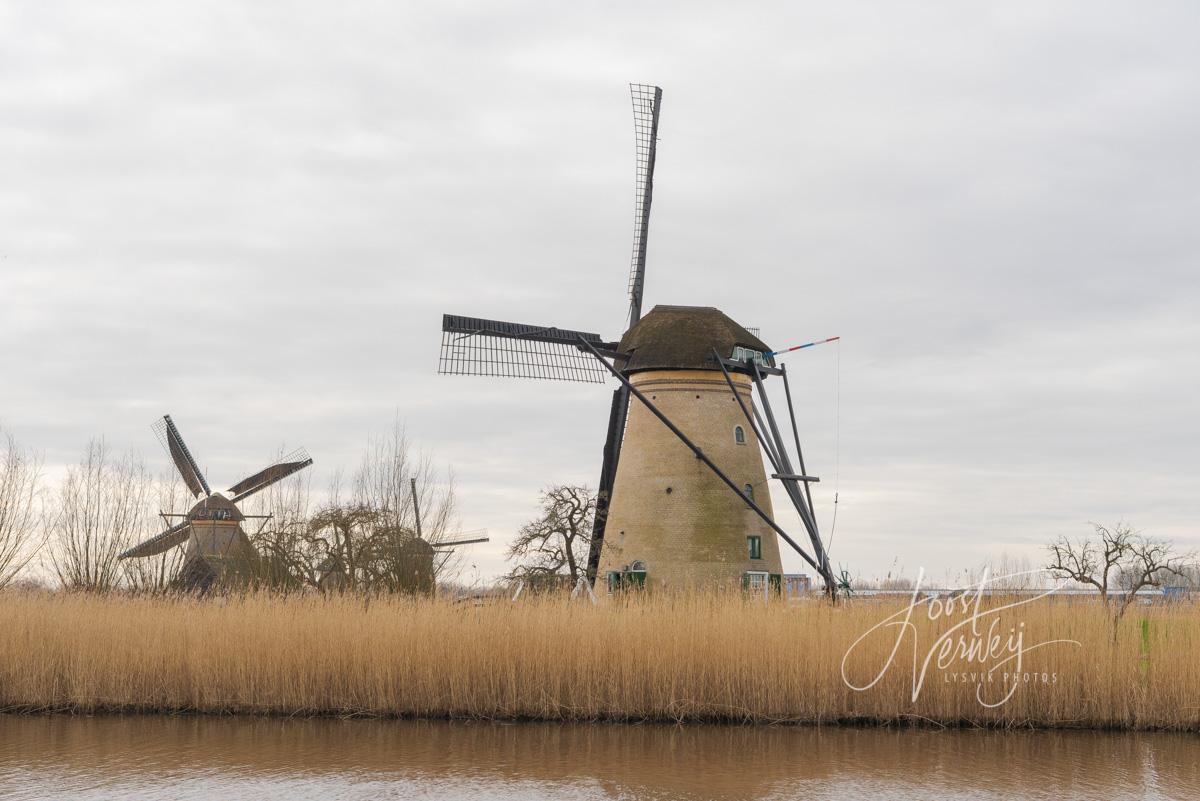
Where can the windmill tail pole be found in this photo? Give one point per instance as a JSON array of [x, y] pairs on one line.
[[774, 353]]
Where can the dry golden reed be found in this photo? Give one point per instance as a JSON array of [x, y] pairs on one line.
[[684, 658]]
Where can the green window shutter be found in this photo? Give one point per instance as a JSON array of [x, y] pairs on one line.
[[776, 581]]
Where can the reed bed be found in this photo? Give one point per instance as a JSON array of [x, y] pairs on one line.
[[675, 658]]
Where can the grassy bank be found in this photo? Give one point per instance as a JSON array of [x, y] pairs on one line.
[[689, 658]]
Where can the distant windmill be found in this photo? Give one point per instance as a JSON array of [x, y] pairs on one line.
[[667, 514], [411, 560], [218, 549], [418, 555]]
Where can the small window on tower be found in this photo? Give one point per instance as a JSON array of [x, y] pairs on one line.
[[739, 435], [755, 545], [748, 491]]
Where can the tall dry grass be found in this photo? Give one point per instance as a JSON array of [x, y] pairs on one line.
[[700, 657]]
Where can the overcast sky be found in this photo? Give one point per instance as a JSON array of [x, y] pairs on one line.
[[252, 215]]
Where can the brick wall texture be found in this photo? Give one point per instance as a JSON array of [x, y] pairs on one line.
[[669, 511]]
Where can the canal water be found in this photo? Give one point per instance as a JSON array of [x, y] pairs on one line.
[[92, 758]]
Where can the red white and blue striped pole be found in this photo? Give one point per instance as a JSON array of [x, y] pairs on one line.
[[774, 353]]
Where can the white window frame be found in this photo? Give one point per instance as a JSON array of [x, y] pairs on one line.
[[753, 577], [741, 354]]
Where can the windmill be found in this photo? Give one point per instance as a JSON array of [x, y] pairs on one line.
[[418, 554], [218, 549], [391, 555], [666, 514]]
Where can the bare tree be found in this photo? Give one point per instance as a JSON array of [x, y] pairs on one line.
[[20, 532], [383, 485], [153, 574], [341, 554], [101, 509], [279, 537], [368, 542], [1117, 560], [557, 542]]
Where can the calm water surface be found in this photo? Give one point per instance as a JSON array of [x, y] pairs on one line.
[[86, 759]]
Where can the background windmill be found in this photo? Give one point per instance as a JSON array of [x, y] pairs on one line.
[[218, 549], [422, 560], [660, 514], [387, 554]]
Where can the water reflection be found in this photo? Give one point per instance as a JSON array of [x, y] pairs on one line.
[[237, 758]]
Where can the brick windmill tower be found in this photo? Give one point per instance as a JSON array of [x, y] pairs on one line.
[[684, 497]]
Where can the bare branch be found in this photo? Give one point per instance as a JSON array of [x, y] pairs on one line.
[[557, 542], [20, 533], [101, 510]]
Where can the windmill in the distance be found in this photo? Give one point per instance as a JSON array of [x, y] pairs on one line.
[[218, 549], [422, 558], [667, 514], [390, 555]]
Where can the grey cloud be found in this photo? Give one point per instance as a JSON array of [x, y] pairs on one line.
[[253, 216]]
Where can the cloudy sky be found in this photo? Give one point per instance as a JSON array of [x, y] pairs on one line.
[[252, 215]]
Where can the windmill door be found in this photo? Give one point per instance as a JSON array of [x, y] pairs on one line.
[[756, 582]]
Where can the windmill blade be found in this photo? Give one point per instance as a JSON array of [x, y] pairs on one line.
[[169, 436], [294, 462], [175, 535], [617, 417], [647, 101], [473, 346], [465, 538]]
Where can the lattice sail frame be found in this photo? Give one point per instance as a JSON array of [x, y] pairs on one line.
[[647, 102], [172, 442], [277, 471], [160, 543], [473, 346]]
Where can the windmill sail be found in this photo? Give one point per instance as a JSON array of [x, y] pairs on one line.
[[464, 538], [294, 462], [617, 416], [647, 100], [473, 346], [169, 436], [175, 535]]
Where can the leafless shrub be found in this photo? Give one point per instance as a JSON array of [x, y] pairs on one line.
[[276, 525], [383, 483], [20, 532], [362, 544], [100, 510], [154, 574]]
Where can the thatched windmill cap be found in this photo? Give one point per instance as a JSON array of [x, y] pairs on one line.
[[683, 338]]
